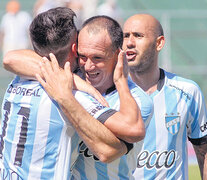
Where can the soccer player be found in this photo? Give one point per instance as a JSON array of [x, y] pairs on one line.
[[99, 43], [36, 139], [179, 106]]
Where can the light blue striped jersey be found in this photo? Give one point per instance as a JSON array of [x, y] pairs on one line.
[[37, 141], [89, 167], [179, 112]]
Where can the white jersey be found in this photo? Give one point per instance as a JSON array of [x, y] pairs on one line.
[[36, 139], [15, 28], [179, 113], [88, 167]]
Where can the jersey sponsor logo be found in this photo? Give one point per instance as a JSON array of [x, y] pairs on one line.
[[23, 91], [83, 149], [97, 107], [204, 127], [172, 123], [156, 159], [182, 92]]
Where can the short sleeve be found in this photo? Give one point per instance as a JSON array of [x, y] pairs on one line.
[[197, 120], [97, 110]]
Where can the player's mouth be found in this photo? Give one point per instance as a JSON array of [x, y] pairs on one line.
[[131, 55], [92, 75]]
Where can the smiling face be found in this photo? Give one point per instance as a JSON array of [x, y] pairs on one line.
[[140, 42], [96, 58]]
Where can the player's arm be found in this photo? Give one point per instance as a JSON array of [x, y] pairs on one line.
[[101, 141], [201, 154], [197, 125], [26, 63], [205, 167], [128, 125], [22, 62]]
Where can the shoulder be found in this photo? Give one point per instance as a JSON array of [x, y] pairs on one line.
[[178, 82], [7, 15], [137, 91], [5, 19], [23, 15], [29, 89]]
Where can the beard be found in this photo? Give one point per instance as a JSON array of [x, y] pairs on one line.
[[146, 60]]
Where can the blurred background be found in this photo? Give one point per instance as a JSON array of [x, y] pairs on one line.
[[184, 23]]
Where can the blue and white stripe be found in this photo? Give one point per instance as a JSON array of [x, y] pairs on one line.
[[48, 143], [87, 168], [179, 112]]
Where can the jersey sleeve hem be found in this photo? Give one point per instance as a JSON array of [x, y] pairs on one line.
[[104, 116], [199, 141]]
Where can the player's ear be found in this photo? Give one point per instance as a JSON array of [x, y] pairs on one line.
[[74, 49], [160, 43]]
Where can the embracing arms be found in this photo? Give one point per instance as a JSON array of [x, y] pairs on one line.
[[58, 84], [100, 140], [22, 62], [25, 62], [126, 124]]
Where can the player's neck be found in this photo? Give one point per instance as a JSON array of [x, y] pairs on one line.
[[148, 81]]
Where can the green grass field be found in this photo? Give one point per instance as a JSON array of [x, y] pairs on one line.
[[194, 173]]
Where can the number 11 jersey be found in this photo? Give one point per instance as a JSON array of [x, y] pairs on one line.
[[37, 141]]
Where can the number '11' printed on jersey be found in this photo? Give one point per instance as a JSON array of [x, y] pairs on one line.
[[24, 112]]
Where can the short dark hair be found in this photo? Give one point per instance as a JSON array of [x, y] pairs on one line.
[[53, 31], [96, 23]]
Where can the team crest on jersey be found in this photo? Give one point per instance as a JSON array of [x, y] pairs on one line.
[[172, 122]]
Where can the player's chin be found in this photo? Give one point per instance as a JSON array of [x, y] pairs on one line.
[[131, 62]]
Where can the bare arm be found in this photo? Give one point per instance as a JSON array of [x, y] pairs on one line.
[[205, 168], [201, 154], [22, 62], [130, 126], [25, 62], [101, 141]]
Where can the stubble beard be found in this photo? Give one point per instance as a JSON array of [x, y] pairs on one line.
[[145, 62]]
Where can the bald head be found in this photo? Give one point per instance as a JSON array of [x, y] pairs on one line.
[[143, 40], [147, 21], [13, 6]]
